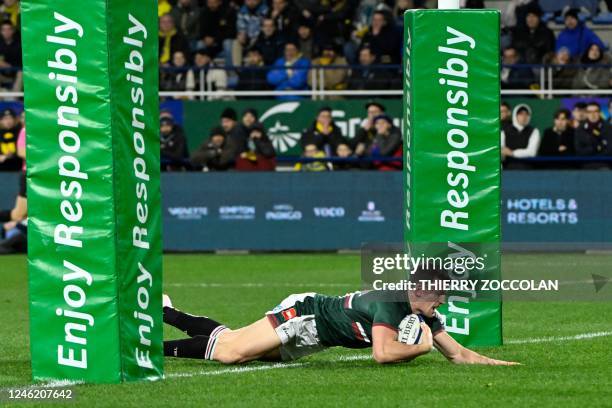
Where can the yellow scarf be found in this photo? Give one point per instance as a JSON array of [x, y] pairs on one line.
[[165, 55]]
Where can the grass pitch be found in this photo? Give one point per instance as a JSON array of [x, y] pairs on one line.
[[560, 367]]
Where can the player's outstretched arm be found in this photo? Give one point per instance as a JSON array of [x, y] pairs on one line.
[[386, 348], [458, 354]]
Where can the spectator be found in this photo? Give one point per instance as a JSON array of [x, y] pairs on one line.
[[334, 21], [290, 72], [576, 37], [236, 137], [305, 41], [252, 77], [578, 114], [333, 79], [505, 114], [513, 77], [270, 43], [323, 133], [563, 76], [248, 23], [207, 76], [367, 77], [594, 137], [173, 145], [387, 143], [170, 40], [519, 139], [383, 39], [559, 139], [590, 75], [217, 25], [177, 77], [514, 12], [186, 14], [9, 10], [9, 129], [284, 16], [344, 152], [259, 154], [11, 77], [312, 152], [214, 154], [367, 132], [535, 41]]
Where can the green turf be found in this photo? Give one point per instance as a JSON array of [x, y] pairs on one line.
[[554, 373]]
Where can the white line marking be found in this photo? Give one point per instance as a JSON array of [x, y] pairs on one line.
[[236, 370], [584, 336]]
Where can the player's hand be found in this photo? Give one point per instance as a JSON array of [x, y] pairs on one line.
[[493, 361], [427, 338]]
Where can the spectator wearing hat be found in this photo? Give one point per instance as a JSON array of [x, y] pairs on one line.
[[387, 143], [252, 76], [594, 137], [311, 151], [323, 133], [9, 132], [576, 36], [519, 139], [259, 154], [365, 76], [207, 76], [334, 79], [290, 72], [234, 133], [173, 145], [269, 42], [215, 153], [535, 41], [562, 73], [11, 77], [367, 132]]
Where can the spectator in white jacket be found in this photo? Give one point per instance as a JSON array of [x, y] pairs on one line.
[[519, 139]]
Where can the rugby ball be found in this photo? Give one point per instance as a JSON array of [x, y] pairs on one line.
[[410, 330]]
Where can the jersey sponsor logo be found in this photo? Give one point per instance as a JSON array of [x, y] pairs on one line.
[[289, 314]]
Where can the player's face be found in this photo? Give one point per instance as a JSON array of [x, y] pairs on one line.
[[426, 302]]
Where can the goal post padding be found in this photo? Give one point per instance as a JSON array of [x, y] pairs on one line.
[[452, 152], [94, 233]]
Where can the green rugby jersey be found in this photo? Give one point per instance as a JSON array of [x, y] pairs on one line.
[[347, 320]]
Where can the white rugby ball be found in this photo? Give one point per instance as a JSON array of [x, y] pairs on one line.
[[410, 331]]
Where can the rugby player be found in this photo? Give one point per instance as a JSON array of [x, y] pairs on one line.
[[306, 323]]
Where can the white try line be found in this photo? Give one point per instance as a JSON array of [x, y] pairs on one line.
[[236, 370], [584, 336]]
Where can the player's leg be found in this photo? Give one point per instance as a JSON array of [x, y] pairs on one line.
[[188, 323], [257, 341]]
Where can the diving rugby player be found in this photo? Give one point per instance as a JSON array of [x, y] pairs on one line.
[[309, 322]]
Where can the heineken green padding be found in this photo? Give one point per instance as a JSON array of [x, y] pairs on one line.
[[94, 234]]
